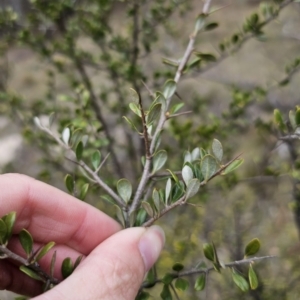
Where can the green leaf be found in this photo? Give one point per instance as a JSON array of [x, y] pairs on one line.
[[187, 174], [200, 22], [166, 293], [3, 232], [135, 108], [142, 296], [156, 200], [206, 56], [168, 278], [168, 190], [96, 159], [252, 278], [178, 191], [66, 134], [194, 63], [30, 273], [153, 114], [67, 267], [200, 283], [234, 165], [131, 124], [178, 267], [217, 150], [76, 136], [297, 117], [279, 120], [160, 99], [26, 241], [147, 207], [211, 26], [252, 247], [69, 183], [176, 108], [169, 88], [175, 178], [159, 160], [209, 251], [240, 281], [124, 188], [208, 166], [120, 215], [181, 284], [292, 117], [192, 188], [195, 154], [9, 220], [134, 96], [44, 251], [79, 150], [83, 191]]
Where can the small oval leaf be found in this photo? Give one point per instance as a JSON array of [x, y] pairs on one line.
[[252, 248], [10, 220], [67, 267], [159, 160], [234, 165], [44, 251], [252, 278], [66, 134], [147, 207], [209, 251], [83, 191], [181, 284], [178, 267], [69, 183], [3, 232], [187, 174], [240, 281], [169, 88], [26, 241], [208, 166], [124, 188], [79, 150], [96, 159], [192, 188], [217, 150], [168, 190], [200, 283], [30, 273]]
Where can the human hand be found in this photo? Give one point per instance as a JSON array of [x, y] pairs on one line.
[[114, 263]]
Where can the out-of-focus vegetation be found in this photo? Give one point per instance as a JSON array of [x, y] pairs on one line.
[[79, 59]]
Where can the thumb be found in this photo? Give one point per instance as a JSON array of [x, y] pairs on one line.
[[113, 270]]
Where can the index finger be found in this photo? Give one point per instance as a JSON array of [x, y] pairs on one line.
[[52, 215]]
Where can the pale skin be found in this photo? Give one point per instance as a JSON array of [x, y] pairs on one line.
[[115, 261]]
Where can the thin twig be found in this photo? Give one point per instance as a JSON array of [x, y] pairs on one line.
[[145, 176], [196, 271], [145, 129], [82, 164], [182, 200], [22, 261]]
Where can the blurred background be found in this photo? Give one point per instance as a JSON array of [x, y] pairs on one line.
[[232, 94]]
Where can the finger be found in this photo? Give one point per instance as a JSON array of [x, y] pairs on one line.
[[114, 270], [52, 215]]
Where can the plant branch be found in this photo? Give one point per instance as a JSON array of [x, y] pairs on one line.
[[163, 118], [22, 261], [196, 271], [183, 199], [98, 113], [82, 164], [246, 38]]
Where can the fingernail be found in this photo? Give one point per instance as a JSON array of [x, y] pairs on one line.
[[151, 244]]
